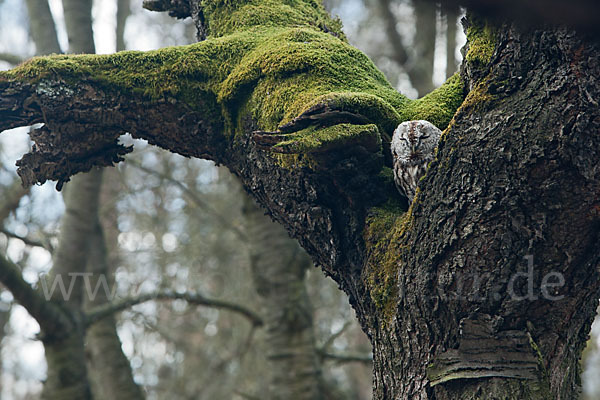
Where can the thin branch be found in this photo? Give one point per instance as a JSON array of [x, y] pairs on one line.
[[332, 338], [346, 358], [194, 197], [26, 240], [12, 59], [341, 358], [108, 309], [246, 395]]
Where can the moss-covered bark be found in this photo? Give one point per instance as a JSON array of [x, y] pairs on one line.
[[303, 119]]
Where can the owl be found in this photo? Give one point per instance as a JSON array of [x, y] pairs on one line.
[[413, 146]]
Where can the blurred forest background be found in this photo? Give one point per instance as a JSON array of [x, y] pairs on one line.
[[241, 306]]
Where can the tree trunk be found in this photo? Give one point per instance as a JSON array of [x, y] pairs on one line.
[[65, 353], [81, 244], [42, 26], [109, 370], [502, 239], [425, 25], [278, 270], [485, 287], [123, 11], [451, 13]]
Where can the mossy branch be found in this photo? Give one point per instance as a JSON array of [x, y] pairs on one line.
[[270, 76]]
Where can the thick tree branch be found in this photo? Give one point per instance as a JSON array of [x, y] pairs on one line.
[[99, 312], [206, 99]]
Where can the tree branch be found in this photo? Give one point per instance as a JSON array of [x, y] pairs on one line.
[[105, 310], [28, 241], [205, 100], [12, 195], [176, 8], [195, 199], [11, 58], [50, 316], [347, 358]]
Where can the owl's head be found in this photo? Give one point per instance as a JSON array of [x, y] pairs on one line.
[[414, 142]]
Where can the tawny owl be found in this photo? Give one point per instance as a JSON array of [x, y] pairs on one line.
[[413, 146]]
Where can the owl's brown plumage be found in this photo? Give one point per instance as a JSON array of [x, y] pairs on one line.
[[413, 146]]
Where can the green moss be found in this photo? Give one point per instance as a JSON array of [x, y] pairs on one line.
[[482, 41], [315, 139], [439, 106], [223, 17], [477, 98], [385, 227], [299, 68], [271, 60]]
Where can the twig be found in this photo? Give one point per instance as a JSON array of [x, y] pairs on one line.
[[332, 338], [105, 310], [194, 197], [346, 358], [246, 395]]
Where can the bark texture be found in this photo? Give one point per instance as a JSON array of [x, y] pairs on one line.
[[513, 189], [513, 192]]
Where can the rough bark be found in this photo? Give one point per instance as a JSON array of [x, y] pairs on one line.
[[278, 270], [514, 179], [434, 287]]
